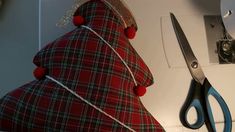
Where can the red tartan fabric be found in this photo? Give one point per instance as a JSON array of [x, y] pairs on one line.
[[85, 64]]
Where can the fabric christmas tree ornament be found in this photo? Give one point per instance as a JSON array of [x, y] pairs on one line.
[[89, 68]]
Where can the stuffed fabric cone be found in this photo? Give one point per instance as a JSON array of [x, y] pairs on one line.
[[86, 65]]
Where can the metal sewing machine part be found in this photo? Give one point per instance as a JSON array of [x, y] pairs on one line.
[[220, 31], [226, 51], [227, 13], [226, 46]]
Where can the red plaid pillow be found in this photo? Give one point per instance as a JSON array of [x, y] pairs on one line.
[[86, 65]]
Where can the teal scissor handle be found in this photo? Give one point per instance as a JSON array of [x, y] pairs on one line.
[[198, 98]]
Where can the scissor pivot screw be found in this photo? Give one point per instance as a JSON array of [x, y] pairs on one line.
[[194, 65]]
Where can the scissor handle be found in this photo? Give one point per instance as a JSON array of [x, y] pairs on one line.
[[226, 113], [193, 100], [198, 97]]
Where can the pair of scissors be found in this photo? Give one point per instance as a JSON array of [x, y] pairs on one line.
[[200, 90]]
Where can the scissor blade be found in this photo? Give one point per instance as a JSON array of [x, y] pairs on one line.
[[191, 60]]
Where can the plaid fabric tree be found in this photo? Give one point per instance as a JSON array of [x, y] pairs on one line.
[[86, 65]]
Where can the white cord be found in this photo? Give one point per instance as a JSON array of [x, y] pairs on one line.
[[132, 75], [87, 102]]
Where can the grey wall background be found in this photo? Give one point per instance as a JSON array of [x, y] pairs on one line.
[[20, 37], [18, 42], [51, 12]]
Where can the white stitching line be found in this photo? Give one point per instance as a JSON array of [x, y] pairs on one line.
[[87, 102], [132, 75]]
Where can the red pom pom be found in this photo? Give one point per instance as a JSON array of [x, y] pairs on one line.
[[140, 90], [78, 20], [39, 73], [130, 32]]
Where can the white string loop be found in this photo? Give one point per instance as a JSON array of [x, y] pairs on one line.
[[87, 102], [128, 68]]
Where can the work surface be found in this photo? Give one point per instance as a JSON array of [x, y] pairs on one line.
[[155, 42]]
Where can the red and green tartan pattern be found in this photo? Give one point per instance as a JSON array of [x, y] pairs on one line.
[[85, 64]]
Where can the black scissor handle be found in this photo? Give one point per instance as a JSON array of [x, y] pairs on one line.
[[193, 100]]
